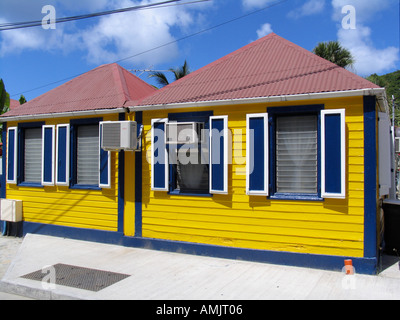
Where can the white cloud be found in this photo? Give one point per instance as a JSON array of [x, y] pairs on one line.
[[365, 9], [104, 39], [250, 4], [309, 8], [264, 30], [368, 58]]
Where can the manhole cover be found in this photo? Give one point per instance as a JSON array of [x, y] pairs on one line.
[[78, 277]]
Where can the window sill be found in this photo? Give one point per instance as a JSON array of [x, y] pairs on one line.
[[296, 197], [187, 194], [85, 187], [30, 185]]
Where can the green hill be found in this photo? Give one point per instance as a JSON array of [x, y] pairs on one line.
[[391, 82]]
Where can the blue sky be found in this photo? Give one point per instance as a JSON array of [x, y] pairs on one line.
[[34, 57]]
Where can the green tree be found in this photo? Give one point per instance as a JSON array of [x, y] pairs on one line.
[[22, 100], [334, 52], [4, 104], [179, 73]]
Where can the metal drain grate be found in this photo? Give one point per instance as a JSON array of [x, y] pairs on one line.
[[78, 277]]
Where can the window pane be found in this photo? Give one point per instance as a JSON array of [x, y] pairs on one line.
[[88, 155], [33, 155], [297, 154], [193, 174]]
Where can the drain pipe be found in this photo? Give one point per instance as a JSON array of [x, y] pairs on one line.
[[4, 228]]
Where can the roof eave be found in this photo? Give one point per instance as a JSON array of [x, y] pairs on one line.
[[379, 92], [62, 115]]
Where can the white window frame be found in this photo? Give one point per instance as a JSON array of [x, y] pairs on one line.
[[15, 129], [52, 127], [264, 192], [225, 154], [153, 188], [67, 165], [324, 194]]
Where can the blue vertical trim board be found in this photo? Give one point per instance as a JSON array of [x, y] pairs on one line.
[[121, 184], [370, 188], [62, 154], [256, 182], [10, 161], [333, 153], [3, 188], [104, 166], [217, 158], [138, 181], [48, 155], [159, 167]]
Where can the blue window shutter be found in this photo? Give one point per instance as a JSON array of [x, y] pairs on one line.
[[257, 155], [219, 147], [105, 166], [159, 156], [12, 155], [333, 154], [63, 155], [48, 155]]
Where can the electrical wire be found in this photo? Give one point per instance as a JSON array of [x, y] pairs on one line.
[[30, 24], [168, 43]]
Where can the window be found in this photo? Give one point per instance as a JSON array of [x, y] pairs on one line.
[[91, 167], [189, 168], [297, 154], [28, 154], [196, 167], [87, 155], [33, 155]]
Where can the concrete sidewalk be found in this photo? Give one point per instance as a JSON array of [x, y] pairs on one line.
[[155, 275]]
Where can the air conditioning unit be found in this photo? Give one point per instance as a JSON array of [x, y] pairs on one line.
[[397, 145], [11, 210], [184, 132], [119, 135]]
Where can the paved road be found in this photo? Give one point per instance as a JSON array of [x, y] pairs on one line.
[[9, 247], [155, 275]]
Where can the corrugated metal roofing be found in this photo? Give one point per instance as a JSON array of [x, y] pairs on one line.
[[14, 103], [106, 87], [270, 66]]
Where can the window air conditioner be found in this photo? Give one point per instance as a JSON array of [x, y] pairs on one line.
[[184, 132], [397, 144], [119, 135], [11, 210]]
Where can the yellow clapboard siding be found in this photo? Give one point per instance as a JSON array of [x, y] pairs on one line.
[[262, 238], [322, 227], [272, 246], [76, 223], [262, 213], [249, 221], [81, 208]]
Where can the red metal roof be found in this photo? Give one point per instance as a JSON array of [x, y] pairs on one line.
[[106, 87], [14, 103], [270, 66]]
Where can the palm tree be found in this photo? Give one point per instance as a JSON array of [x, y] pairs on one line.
[[179, 73], [334, 52]]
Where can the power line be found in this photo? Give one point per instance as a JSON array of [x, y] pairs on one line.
[[30, 24], [168, 43]]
